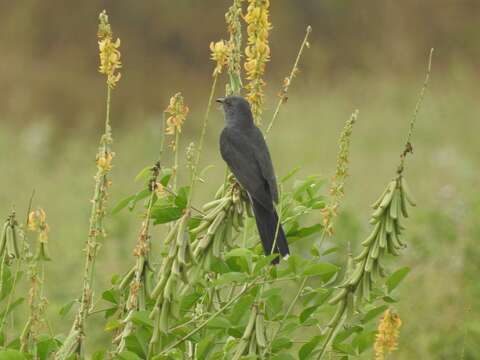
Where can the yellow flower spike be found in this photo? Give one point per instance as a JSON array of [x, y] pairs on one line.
[[37, 221], [109, 52], [220, 53], [257, 53], [178, 112], [388, 332]]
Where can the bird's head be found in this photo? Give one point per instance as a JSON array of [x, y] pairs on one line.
[[237, 111]]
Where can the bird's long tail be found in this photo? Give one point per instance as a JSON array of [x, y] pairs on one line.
[[268, 225]]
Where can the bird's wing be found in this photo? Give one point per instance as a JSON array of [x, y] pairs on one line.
[[262, 155], [239, 154]]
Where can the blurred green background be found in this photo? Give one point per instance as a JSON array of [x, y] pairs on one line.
[[366, 55]]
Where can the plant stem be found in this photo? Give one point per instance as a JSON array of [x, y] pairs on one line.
[[95, 232], [202, 138], [213, 316], [289, 79], [287, 314]]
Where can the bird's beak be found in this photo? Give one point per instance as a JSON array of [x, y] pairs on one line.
[[220, 100]]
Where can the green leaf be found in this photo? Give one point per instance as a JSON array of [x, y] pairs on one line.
[[99, 355], [187, 301], [111, 295], [320, 269], [127, 355], [345, 349], [162, 215], [372, 314], [308, 348], [167, 175], [12, 306], [394, 280], [141, 318], [143, 173], [219, 322], [240, 309], [330, 250], [45, 346], [12, 355], [263, 261], [274, 305], [231, 277], [305, 314], [281, 343], [64, 310], [346, 333], [181, 199], [364, 340], [205, 347], [283, 357], [290, 174], [112, 325], [305, 231], [122, 204]]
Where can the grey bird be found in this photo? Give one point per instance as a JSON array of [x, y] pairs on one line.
[[245, 151]]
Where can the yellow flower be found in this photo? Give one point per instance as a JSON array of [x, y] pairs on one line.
[[220, 53], [257, 52], [104, 162], [178, 112], [109, 52], [388, 331]]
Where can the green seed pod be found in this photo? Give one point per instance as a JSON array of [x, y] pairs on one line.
[[372, 235], [369, 264], [168, 291], [203, 225], [251, 323], [357, 274], [408, 194], [13, 243], [393, 209], [210, 205], [338, 313], [176, 268], [403, 203], [182, 253], [172, 252], [126, 279], [377, 203], [338, 296], [218, 241], [219, 192], [164, 317], [181, 235], [260, 331], [392, 250], [388, 196], [362, 255], [213, 214], [171, 234], [375, 250], [239, 207], [240, 349], [3, 239], [252, 347], [248, 207], [366, 285], [389, 224]]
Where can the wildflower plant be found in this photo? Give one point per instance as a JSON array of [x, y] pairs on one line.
[[209, 292]]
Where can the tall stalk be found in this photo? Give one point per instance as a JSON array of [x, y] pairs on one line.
[[109, 65]]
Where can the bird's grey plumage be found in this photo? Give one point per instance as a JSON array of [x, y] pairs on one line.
[[244, 149]]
